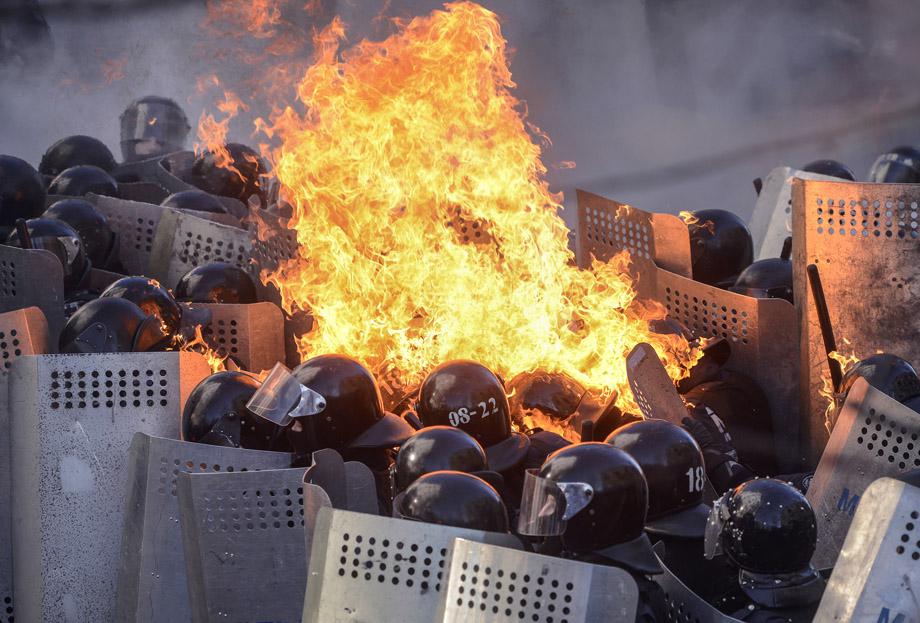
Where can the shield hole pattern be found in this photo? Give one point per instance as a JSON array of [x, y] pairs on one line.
[[390, 562], [137, 231], [678, 612], [7, 279], [10, 347], [276, 249], [619, 232], [642, 400], [197, 249], [7, 609], [867, 219], [83, 389], [887, 440], [171, 467], [541, 599], [707, 318], [910, 539], [223, 336], [256, 509]]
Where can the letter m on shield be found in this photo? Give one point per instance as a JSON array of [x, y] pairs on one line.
[[846, 503], [885, 617]]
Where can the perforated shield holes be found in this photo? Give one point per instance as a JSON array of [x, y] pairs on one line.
[[651, 386], [874, 436], [7, 278], [683, 605], [864, 240], [488, 583], [380, 568], [135, 223], [70, 468], [33, 278], [253, 334], [878, 569], [261, 524], [152, 577]]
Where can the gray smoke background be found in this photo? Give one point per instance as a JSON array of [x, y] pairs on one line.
[[666, 104]]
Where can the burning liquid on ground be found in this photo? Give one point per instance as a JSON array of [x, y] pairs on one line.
[[427, 231]]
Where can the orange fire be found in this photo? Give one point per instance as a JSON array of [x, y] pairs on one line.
[[200, 346], [427, 230]]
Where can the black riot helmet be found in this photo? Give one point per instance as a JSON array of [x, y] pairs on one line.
[[467, 395], [454, 499], [111, 325], [73, 151], [195, 200], [901, 165], [22, 192], [151, 297], [672, 464], [81, 180], [831, 168], [217, 282], [152, 126], [353, 415], [216, 414], [92, 225], [64, 242], [240, 178], [602, 504], [720, 246], [434, 449], [885, 372], [763, 526], [766, 279], [551, 394]]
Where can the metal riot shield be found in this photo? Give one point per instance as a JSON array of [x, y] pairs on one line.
[[247, 536], [135, 223], [865, 240], [683, 604], [877, 573], [147, 192], [764, 345], [251, 334], [350, 486], [607, 227], [151, 577], [771, 222], [874, 436], [486, 583], [367, 569], [75, 418], [33, 278], [651, 386], [22, 332]]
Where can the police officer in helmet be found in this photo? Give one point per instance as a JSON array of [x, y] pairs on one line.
[[456, 499], [720, 246], [152, 126]]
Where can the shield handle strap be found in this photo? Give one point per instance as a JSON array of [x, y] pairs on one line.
[[824, 319]]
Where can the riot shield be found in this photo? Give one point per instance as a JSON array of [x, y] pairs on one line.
[[251, 334], [877, 574], [135, 223], [682, 603], [75, 418], [865, 239], [651, 386], [487, 583], [151, 577], [367, 569], [771, 222], [350, 486], [33, 278], [22, 332], [874, 436], [147, 192], [261, 524]]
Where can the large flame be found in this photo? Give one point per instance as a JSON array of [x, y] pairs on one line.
[[427, 230]]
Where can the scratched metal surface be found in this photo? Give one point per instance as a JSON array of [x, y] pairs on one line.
[[877, 576], [875, 436], [33, 278]]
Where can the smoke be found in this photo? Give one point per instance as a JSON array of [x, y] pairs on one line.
[[666, 104]]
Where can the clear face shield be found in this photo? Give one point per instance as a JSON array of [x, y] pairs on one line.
[[712, 537], [63, 246], [282, 398], [546, 505]]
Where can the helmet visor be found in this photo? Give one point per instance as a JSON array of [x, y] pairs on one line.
[[157, 121], [65, 247], [547, 505], [281, 398], [712, 537]]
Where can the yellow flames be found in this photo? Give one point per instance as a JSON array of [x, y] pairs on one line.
[[845, 359], [427, 230], [200, 346]]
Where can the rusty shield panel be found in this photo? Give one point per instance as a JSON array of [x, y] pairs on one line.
[[76, 417], [22, 332], [877, 573], [874, 436], [607, 227], [864, 239], [251, 334], [764, 344], [135, 223], [488, 583], [771, 222], [33, 278]]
